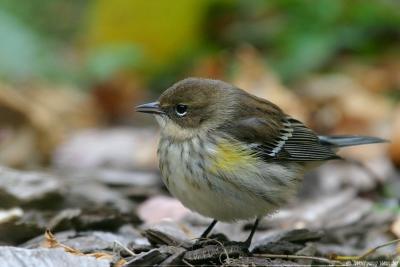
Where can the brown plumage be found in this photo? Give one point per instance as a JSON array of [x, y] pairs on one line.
[[230, 155], [219, 106]]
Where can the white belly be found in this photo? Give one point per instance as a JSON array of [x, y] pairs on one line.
[[245, 193]]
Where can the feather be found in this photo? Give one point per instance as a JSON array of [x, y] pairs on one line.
[[273, 135], [349, 140]]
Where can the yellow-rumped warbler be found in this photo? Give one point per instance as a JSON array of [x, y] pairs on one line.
[[230, 155]]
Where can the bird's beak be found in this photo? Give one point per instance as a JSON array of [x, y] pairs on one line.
[[152, 108]]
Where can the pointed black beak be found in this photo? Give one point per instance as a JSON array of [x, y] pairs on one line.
[[152, 108]]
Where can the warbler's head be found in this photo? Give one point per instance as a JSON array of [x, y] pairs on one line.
[[193, 105]]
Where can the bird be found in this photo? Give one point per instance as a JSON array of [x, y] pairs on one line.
[[229, 155]]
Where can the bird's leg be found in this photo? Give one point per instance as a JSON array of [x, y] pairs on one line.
[[200, 240], [247, 243], [208, 230]]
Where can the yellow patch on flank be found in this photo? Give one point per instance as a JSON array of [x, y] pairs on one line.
[[230, 157]]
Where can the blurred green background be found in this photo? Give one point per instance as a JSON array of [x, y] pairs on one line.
[[84, 42]]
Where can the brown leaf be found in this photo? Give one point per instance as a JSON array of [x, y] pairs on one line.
[[50, 240], [120, 263], [37, 118], [101, 255]]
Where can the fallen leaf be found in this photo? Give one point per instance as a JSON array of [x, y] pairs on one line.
[[120, 263], [51, 241], [100, 255]]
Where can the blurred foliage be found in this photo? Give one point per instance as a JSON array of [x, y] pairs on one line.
[[22, 52], [94, 40], [161, 28], [105, 61], [55, 20], [298, 36], [36, 37]]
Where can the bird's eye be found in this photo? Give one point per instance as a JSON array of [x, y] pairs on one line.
[[181, 110]]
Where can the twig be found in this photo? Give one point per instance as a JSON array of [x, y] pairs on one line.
[[283, 256], [367, 253], [187, 263], [223, 247], [116, 242]]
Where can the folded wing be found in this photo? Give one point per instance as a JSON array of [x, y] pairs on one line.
[[286, 139]]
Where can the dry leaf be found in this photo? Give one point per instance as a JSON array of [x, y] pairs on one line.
[[100, 255], [52, 242], [120, 263], [34, 120]]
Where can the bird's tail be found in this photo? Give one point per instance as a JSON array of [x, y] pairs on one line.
[[349, 140]]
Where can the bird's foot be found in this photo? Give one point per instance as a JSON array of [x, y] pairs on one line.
[[214, 239], [215, 250], [221, 241]]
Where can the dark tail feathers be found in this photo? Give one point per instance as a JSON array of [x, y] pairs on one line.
[[349, 140]]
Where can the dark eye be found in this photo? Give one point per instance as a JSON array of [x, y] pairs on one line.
[[181, 110]]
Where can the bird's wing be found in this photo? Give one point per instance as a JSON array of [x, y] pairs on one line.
[[288, 139]]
